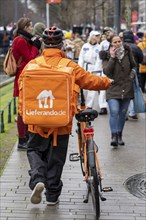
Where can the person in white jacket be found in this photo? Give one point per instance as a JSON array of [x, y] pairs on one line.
[[89, 60], [104, 45]]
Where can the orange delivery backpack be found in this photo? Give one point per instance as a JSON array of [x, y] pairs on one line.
[[47, 93]]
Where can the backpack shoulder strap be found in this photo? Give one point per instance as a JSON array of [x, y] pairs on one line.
[[40, 60], [64, 62]]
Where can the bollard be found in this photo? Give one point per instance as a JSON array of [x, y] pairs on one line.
[[9, 112], [14, 109], [2, 129]]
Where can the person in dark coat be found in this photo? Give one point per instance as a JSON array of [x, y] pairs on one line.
[[128, 38], [24, 48], [119, 65]]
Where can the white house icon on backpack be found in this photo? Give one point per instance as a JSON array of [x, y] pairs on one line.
[[43, 99]]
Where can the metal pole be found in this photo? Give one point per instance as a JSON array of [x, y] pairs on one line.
[[47, 15], [117, 15], [9, 112], [14, 108], [26, 8], [16, 10], [2, 128], [103, 14]]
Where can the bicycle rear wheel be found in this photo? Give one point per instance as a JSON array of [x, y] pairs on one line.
[[93, 180]]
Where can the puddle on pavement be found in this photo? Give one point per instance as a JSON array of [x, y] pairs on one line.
[[136, 185]]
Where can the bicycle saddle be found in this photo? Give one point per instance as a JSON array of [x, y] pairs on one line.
[[86, 115]]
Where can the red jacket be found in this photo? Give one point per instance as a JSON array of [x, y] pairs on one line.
[[22, 48]]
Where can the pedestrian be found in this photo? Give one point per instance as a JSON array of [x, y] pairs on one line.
[[24, 48], [108, 32], [38, 30], [78, 43], [118, 64], [89, 60], [128, 38], [142, 69], [103, 37], [46, 162], [104, 45], [5, 41], [69, 46]]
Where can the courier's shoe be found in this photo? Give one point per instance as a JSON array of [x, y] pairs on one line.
[[36, 196], [53, 203]]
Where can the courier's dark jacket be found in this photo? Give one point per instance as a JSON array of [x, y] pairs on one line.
[[119, 71]]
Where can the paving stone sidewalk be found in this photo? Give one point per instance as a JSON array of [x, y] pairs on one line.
[[116, 165]]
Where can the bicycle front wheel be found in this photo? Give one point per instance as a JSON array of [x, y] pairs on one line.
[[93, 178]]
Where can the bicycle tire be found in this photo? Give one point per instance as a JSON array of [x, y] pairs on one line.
[[93, 178], [82, 161]]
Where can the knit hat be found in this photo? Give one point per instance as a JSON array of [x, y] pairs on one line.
[[38, 29], [128, 36]]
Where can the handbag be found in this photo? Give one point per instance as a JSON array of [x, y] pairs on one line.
[[139, 103]]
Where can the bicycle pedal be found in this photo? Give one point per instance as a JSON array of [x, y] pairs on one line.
[[74, 157], [85, 201], [107, 189], [103, 198]]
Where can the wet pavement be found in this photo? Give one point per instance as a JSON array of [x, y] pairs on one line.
[[117, 166]]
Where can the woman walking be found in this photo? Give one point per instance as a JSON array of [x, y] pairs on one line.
[[25, 47], [119, 65]]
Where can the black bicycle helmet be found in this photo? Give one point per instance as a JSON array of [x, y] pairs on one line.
[[53, 37]]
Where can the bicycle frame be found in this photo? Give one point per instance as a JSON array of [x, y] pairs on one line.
[[86, 133], [88, 155]]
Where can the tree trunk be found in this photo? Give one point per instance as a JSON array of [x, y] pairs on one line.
[[128, 9]]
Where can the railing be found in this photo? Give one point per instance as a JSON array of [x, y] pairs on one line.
[[7, 113], [10, 111]]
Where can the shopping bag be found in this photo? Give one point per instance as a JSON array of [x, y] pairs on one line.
[[139, 103]]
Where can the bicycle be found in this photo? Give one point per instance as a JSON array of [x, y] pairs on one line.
[[88, 156]]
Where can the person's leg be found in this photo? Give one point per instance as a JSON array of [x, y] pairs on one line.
[[122, 113], [22, 133], [90, 98], [131, 112], [102, 102], [55, 160], [142, 78], [122, 118], [143, 81], [114, 106], [37, 148], [36, 151]]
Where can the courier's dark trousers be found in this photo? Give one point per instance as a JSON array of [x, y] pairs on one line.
[[46, 163]]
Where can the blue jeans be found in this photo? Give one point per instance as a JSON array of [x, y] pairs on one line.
[[118, 109]]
